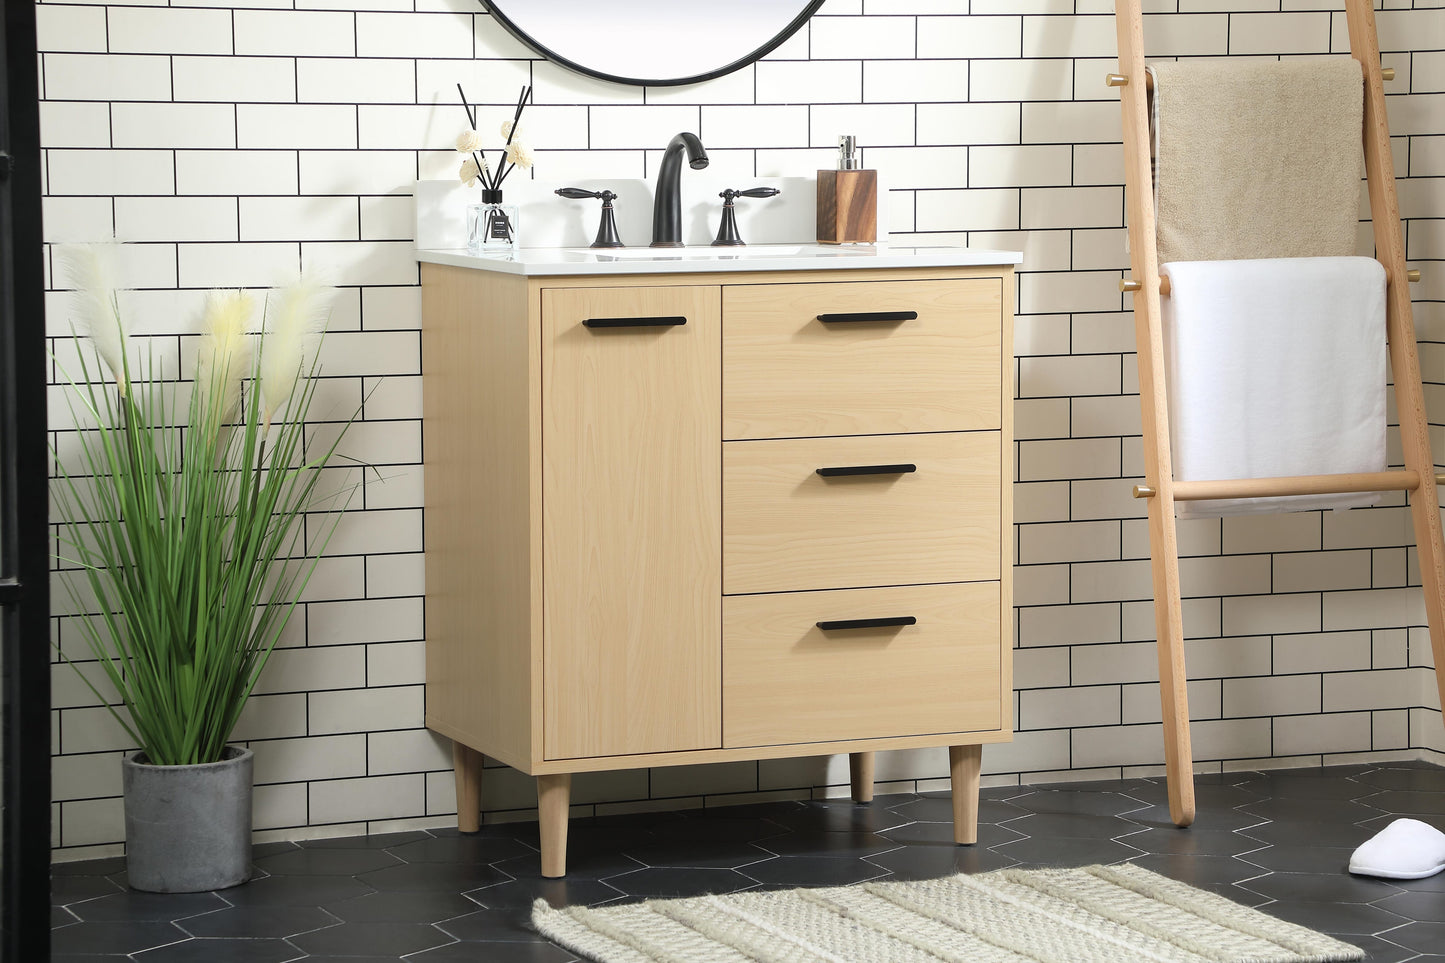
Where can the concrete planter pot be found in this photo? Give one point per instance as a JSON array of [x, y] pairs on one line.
[[188, 828]]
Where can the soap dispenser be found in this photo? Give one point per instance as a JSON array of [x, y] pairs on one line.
[[847, 199]]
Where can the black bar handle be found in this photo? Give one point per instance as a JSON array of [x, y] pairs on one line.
[[868, 470], [870, 316], [633, 322], [868, 623]]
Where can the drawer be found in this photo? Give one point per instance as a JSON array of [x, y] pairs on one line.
[[785, 680], [788, 528], [787, 374]]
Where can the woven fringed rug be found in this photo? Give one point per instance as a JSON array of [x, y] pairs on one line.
[[1097, 914]]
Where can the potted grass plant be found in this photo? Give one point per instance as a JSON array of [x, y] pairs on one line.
[[182, 506]]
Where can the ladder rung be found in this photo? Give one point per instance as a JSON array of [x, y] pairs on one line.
[[1381, 481]]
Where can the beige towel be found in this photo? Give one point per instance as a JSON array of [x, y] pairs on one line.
[[1257, 158]]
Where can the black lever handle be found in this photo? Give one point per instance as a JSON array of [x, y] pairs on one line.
[[868, 470], [868, 623], [730, 193], [576, 193], [870, 316], [633, 322]]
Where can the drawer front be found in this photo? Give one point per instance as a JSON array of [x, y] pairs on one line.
[[785, 680], [788, 528], [787, 374]]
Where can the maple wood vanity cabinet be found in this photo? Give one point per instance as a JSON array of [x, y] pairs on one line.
[[683, 511]]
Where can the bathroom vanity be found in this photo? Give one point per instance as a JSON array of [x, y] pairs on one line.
[[689, 507]]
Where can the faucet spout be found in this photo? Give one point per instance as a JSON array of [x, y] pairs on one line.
[[667, 202]]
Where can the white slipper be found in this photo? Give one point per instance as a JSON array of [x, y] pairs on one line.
[[1405, 849]]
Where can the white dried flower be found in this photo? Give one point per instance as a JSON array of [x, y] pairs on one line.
[[520, 154], [507, 130], [298, 314], [224, 358], [468, 141], [91, 270], [470, 172]]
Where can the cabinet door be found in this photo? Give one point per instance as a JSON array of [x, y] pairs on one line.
[[632, 520]]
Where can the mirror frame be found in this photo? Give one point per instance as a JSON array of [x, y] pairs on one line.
[[787, 32]]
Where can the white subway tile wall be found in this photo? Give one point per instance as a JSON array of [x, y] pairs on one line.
[[236, 146]]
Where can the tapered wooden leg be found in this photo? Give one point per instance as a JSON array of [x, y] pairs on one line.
[[554, 795], [964, 763], [860, 774], [468, 764]]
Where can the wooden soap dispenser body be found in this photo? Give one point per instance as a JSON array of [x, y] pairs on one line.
[[847, 200]]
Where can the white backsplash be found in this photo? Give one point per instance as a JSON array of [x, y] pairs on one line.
[[547, 220]]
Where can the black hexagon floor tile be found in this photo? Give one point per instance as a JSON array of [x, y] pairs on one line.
[[843, 845], [1425, 907], [589, 863], [700, 852], [295, 891], [492, 953], [1327, 888], [90, 867], [326, 862], [1405, 779], [114, 936], [931, 861], [1305, 809], [1227, 820], [493, 925], [408, 907], [221, 951], [466, 848], [1301, 858], [941, 834], [241, 922], [1192, 841], [522, 893], [813, 871], [67, 890], [840, 816], [1072, 826], [431, 877], [394, 939], [1336, 835], [653, 883], [717, 827], [1420, 937], [1380, 950], [1078, 802], [1067, 851], [1280, 841], [379, 841], [135, 905], [1340, 919]]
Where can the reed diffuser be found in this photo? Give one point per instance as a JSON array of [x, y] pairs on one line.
[[492, 224]]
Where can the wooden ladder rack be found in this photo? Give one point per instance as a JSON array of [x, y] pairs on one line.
[[1160, 488]]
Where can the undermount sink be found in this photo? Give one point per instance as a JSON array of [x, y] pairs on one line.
[[761, 250]]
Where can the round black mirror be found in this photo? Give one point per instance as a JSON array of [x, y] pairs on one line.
[[653, 42]]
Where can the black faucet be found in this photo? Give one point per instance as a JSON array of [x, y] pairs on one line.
[[667, 204]]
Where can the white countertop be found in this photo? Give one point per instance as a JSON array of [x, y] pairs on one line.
[[542, 262]]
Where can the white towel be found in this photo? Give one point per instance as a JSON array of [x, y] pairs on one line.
[[1276, 367]]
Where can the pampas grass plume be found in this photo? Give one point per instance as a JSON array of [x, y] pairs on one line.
[[296, 318], [224, 358], [91, 270]]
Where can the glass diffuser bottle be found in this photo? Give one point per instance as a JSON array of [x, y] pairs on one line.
[[491, 224]]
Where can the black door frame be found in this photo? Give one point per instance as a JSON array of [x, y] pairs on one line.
[[24, 502]]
